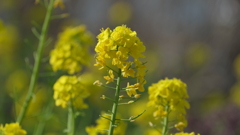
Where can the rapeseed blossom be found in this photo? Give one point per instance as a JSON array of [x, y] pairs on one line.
[[71, 50], [103, 124], [171, 94], [12, 129], [122, 49], [70, 88]]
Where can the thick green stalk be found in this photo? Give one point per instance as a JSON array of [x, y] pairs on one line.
[[38, 57], [115, 104], [71, 120], [165, 121]]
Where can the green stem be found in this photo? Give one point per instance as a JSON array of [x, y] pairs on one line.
[[71, 120], [165, 121], [115, 104], [45, 116], [37, 62]]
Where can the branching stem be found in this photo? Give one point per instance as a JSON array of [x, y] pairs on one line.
[[165, 121], [38, 57], [115, 104]]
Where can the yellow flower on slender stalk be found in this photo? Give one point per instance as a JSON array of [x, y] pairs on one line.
[[119, 51], [12, 129], [116, 49], [169, 97], [69, 88], [71, 50]]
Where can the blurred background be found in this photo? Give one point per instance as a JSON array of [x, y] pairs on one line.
[[197, 41]]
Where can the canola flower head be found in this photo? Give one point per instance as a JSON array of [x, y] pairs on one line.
[[122, 49], [171, 93], [70, 88], [12, 129], [102, 124], [71, 50]]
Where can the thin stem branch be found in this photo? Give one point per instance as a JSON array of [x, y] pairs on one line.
[[37, 62], [165, 121], [71, 119], [115, 104]]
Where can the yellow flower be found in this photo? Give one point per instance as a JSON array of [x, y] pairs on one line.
[[12, 129], [69, 88], [131, 90], [71, 50], [103, 124], [182, 133], [127, 71], [122, 49], [171, 93], [109, 78]]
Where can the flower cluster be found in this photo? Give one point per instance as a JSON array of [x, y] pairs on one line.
[[103, 124], [170, 94], [121, 49], [71, 50], [70, 88], [12, 129]]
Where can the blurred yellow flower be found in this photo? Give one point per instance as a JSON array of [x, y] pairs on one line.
[[236, 66], [120, 12], [103, 125], [17, 83], [69, 88], [8, 40], [235, 93], [59, 3], [71, 50], [12, 129], [170, 93], [197, 55], [182, 133], [152, 132]]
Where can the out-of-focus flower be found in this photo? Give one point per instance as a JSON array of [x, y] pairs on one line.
[[121, 49], [71, 50], [235, 93], [171, 94], [70, 88], [236, 65], [120, 12], [12, 129], [17, 83], [59, 3], [8, 40], [152, 132], [182, 133], [197, 55], [103, 125]]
